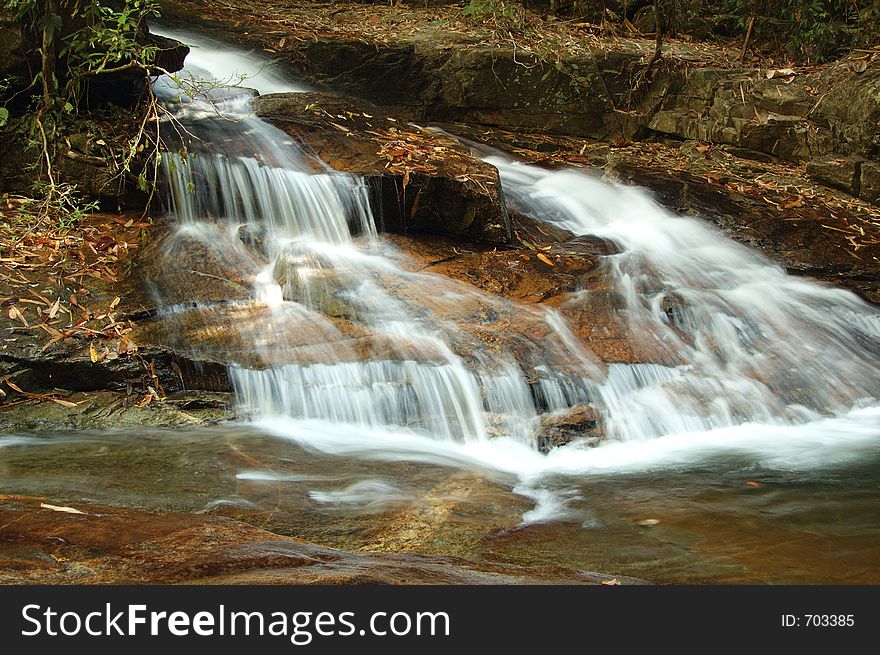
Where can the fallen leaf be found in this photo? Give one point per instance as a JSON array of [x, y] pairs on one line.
[[544, 258], [780, 72], [53, 310], [649, 522], [752, 484], [59, 508], [14, 312], [614, 582], [59, 401]]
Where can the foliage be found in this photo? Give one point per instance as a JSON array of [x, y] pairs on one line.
[[76, 41], [817, 30], [4, 112], [502, 14]]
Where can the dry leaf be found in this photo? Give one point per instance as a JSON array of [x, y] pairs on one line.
[[53, 310], [614, 582], [14, 312], [59, 508], [59, 401], [752, 484], [544, 258], [93, 352], [780, 72]]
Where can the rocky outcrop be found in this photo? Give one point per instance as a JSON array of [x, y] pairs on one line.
[[791, 115], [426, 181]]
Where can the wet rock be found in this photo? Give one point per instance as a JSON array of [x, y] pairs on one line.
[[426, 181], [581, 424], [836, 171], [107, 410], [41, 543], [760, 201]]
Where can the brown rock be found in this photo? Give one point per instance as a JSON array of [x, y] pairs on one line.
[[427, 182], [54, 542]]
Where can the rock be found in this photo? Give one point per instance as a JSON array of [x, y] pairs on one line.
[[837, 171], [107, 410], [427, 181], [44, 542], [645, 22], [851, 109], [870, 182], [578, 423]]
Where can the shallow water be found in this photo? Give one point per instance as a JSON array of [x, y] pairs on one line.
[[725, 518]]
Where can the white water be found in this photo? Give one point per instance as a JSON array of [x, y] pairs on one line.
[[396, 355], [776, 369]]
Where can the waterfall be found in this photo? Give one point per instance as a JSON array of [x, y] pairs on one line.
[[398, 352], [754, 344], [340, 348]]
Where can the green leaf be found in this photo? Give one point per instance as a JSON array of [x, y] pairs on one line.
[[4, 116]]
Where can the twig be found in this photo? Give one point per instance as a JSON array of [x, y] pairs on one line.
[[742, 54]]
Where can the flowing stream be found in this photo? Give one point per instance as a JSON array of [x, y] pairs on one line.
[[387, 388]]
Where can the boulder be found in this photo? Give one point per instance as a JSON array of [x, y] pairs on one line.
[[427, 182], [577, 423], [836, 171]]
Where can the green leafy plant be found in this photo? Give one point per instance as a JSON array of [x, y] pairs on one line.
[[507, 16], [813, 30], [76, 41]]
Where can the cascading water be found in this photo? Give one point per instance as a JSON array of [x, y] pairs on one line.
[[350, 354], [753, 343], [396, 353]]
